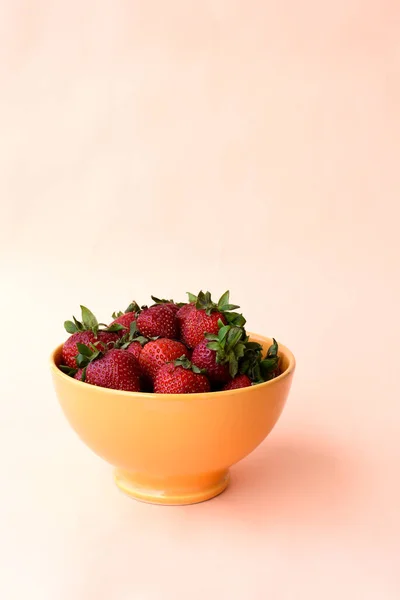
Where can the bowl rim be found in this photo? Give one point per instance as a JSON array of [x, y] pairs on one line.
[[222, 393]]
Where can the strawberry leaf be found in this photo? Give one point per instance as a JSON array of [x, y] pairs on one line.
[[211, 336], [82, 361], [192, 298], [70, 327], [133, 307], [223, 303], [87, 354], [89, 320], [161, 301], [184, 362], [201, 300], [85, 350], [235, 318], [253, 346], [257, 368], [142, 340], [249, 362], [214, 346], [221, 357], [273, 350], [204, 302], [115, 315], [67, 370], [268, 364], [239, 350], [114, 327], [233, 365], [223, 332], [224, 299], [78, 324], [235, 339], [226, 307]]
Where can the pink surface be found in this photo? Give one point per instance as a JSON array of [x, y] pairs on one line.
[[159, 147]]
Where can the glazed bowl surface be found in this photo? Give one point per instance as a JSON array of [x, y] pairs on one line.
[[173, 448]]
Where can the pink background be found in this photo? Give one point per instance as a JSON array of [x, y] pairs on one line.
[[159, 147]]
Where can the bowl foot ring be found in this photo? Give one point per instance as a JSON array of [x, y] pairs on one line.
[[172, 491]]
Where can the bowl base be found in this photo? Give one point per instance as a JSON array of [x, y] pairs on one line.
[[172, 491]]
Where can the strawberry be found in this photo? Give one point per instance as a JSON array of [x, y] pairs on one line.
[[116, 369], [158, 352], [70, 350], [135, 348], [240, 381], [180, 377], [132, 341], [219, 354], [205, 317], [78, 374], [126, 318], [170, 303], [158, 321], [204, 358], [86, 332], [183, 313]]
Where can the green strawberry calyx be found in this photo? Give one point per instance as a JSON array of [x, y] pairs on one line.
[[270, 364], [131, 336], [133, 307], [184, 362], [90, 323], [87, 354], [163, 301], [257, 368], [229, 345], [203, 301], [68, 370]]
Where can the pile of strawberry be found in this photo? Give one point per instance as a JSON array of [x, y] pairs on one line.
[[168, 348]]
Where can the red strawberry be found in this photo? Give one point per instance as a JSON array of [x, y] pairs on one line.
[[219, 354], [132, 341], [125, 319], [78, 374], [180, 377], [240, 381], [183, 312], [158, 352], [197, 324], [117, 369], [158, 321], [86, 332], [205, 316], [135, 348], [70, 350], [205, 358]]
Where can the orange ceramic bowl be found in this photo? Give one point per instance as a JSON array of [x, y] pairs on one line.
[[173, 448]]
